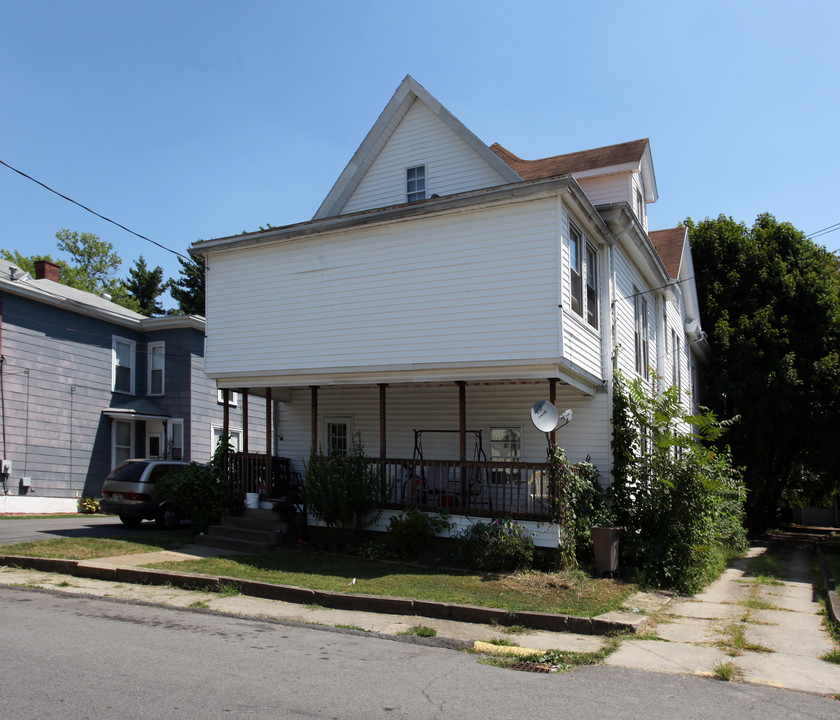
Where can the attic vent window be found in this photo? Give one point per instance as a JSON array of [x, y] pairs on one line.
[[415, 183]]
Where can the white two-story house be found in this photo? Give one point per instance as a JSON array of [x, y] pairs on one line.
[[443, 288]]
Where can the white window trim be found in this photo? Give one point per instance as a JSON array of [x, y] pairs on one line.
[[426, 194], [149, 355], [641, 331], [132, 367], [233, 397], [170, 435], [584, 272], [341, 420], [131, 452], [232, 431]]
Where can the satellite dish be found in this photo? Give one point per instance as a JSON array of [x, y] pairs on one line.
[[544, 416]]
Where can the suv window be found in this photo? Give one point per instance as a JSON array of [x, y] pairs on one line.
[[130, 470], [159, 471]]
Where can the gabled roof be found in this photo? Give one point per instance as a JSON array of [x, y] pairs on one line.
[[670, 244], [634, 154], [376, 139], [14, 280]]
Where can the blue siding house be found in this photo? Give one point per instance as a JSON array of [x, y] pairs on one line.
[[86, 383]]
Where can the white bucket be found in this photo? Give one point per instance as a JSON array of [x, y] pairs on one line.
[[252, 500]]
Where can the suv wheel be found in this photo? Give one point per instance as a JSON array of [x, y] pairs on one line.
[[168, 519]]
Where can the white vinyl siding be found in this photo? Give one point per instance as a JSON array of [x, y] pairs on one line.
[[421, 138], [469, 287]]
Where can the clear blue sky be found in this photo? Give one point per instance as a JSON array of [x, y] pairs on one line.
[[194, 119]]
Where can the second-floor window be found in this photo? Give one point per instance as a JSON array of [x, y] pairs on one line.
[[583, 272], [123, 365], [415, 183], [156, 368], [642, 355]]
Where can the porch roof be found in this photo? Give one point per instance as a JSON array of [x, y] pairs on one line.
[[136, 409], [565, 372]]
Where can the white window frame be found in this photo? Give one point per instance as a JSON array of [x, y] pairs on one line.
[[414, 192], [583, 278], [590, 283], [235, 437], [676, 362], [132, 354], [348, 430], [642, 332], [172, 435], [503, 477], [233, 397], [115, 459], [151, 352]]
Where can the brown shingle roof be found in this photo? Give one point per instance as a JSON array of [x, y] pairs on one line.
[[573, 162], [669, 244]]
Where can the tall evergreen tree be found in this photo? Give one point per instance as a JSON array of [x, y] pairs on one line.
[[146, 286], [188, 289], [770, 300]]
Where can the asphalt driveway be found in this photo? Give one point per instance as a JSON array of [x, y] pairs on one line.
[[14, 530]]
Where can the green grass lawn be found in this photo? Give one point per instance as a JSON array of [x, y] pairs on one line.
[[92, 548], [831, 552], [570, 593]]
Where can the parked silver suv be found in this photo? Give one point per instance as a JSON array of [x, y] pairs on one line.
[[129, 491]]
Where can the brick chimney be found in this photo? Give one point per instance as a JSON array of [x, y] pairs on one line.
[[45, 270]]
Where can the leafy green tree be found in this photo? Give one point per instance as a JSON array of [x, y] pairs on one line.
[[770, 300], [146, 285], [96, 261], [188, 289]]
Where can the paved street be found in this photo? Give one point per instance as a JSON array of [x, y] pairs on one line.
[[26, 530], [82, 657]]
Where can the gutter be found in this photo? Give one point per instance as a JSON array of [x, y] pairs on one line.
[[517, 192]]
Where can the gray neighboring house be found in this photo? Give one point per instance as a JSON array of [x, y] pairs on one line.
[[86, 383]]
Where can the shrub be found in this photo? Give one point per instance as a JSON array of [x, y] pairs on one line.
[[412, 532], [580, 505], [344, 491], [497, 546], [197, 489], [88, 505], [679, 501]]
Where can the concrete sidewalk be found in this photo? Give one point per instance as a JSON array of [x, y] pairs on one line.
[[770, 632], [451, 633]]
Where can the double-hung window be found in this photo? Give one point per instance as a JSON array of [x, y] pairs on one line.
[[415, 183], [641, 309], [505, 446], [156, 368], [583, 272], [339, 432], [123, 365]]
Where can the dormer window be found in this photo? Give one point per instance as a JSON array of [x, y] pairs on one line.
[[415, 183]]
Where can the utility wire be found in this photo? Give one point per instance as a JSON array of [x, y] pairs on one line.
[[824, 231], [93, 212]]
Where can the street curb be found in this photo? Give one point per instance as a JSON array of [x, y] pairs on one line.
[[335, 600], [833, 603]]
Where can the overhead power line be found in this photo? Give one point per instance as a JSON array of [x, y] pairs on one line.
[[93, 212], [824, 231]]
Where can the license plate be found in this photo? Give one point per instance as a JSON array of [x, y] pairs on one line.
[[118, 497]]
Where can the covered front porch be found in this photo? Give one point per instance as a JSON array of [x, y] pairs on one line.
[[465, 447]]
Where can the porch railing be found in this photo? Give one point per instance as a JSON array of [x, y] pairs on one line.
[[480, 488], [249, 473]]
